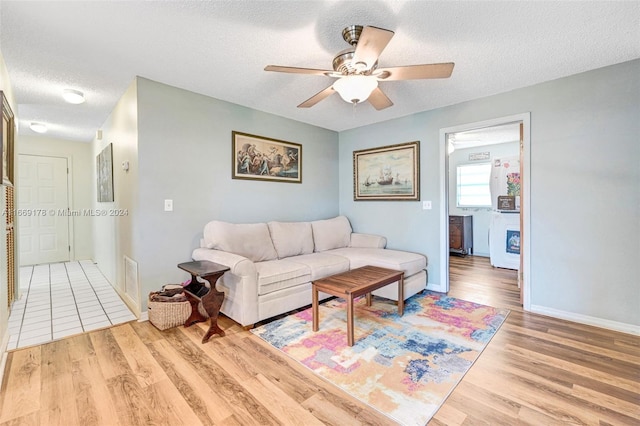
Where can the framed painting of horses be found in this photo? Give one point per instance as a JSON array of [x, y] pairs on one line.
[[259, 158]]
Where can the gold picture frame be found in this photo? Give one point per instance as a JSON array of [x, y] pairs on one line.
[[387, 173], [259, 158], [7, 134]]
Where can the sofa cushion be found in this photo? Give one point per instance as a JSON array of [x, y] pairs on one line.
[[331, 233], [291, 238], [322, 264], [410, 263], [251, 240], [276, 275]]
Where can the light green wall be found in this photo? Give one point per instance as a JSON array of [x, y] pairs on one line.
[[81, 165], [584, 184], [585, 188], [181, 151]]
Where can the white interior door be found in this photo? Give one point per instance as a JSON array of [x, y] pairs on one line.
[[43, 199]]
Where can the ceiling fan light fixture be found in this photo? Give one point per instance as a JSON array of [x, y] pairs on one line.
[[73, 96], [38, 127], [357, 72], [355, 88]]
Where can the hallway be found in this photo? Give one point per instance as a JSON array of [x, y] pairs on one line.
[[63, 299]]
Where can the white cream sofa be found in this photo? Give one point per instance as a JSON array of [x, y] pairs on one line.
[[273, 264]]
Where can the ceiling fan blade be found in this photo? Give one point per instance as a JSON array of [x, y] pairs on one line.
[[317, 97], [379, 100], [295, 70], [370, 45], [415, 72]]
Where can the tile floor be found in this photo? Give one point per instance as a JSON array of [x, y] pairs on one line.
[[62, 299]]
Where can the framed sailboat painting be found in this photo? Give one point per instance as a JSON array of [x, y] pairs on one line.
[[388, 173]]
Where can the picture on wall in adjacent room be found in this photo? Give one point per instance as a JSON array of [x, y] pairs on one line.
[[104, 166], [260, 158], [387, 173]]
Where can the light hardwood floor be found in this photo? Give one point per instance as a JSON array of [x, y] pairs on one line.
[[536, 370]]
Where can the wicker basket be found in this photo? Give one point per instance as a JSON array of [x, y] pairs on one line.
[[171, 314], [168, 314]]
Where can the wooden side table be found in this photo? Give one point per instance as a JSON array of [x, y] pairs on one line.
[[211, 300]]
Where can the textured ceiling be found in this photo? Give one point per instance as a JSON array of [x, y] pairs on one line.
[[220, 48]]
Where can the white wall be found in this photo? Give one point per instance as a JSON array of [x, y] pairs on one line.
[[585, 189], [81, 165], [5, 86], [114, 235], [481, 216]]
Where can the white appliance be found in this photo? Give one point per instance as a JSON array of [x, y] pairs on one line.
[[505, 180], [504, 229], [504, 240]]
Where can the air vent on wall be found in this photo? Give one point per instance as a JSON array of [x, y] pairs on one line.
[[131, 278]]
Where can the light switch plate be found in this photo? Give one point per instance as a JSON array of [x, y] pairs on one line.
[[168, 205], [426, 205]]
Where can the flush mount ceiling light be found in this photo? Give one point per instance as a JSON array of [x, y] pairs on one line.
[[73, 96], [355, 88], [38, 127]]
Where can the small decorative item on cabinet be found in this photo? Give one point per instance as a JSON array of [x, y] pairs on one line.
[[506, 202], [461, 234]]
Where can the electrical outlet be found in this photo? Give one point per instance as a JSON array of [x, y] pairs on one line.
[[168, 205], [426, 205]]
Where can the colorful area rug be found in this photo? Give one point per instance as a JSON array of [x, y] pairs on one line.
[[404, 367]]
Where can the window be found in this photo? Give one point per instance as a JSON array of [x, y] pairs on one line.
[[472, 185]]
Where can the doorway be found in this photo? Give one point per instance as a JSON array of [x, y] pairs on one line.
[[60, 295], [471, 136], [43, 207]]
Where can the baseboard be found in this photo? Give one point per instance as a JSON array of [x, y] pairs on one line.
[[435, 287], [144, 316], [3, 351], [585, 319]]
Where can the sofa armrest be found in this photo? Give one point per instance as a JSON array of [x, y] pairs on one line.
[[367, 241], [240, 284], [237, 264]]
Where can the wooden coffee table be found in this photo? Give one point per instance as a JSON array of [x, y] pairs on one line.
[[352, 284]]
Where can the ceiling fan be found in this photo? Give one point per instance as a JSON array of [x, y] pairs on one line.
[[356, 69]]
